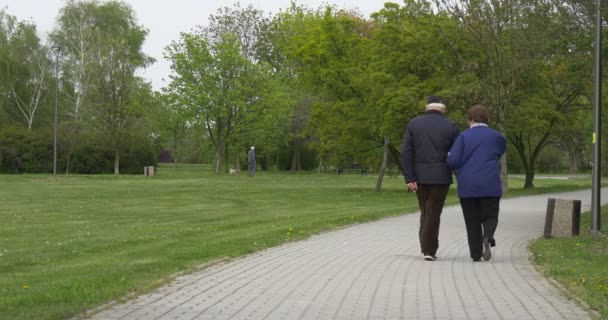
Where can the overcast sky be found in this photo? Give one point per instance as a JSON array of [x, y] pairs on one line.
[[166, 19]]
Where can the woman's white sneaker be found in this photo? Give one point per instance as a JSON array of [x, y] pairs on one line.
[[487, 251]]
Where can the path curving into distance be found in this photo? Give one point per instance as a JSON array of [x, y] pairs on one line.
[[374, 271]]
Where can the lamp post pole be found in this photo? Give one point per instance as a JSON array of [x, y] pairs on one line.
[[597, 103], [57, 51]]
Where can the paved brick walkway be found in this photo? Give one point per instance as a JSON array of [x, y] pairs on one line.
[[374, 271]]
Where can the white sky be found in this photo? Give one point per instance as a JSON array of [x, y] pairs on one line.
[[166, 19]]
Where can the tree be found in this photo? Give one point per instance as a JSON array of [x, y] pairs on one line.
[[325, 51], [244, 23], [217, 74], [214, 81], [171, 118], [500, 66], [279, 41], [372, 77], [406, 67], [77, 35], [25, 69], [117, 57], [264, 121], [532, 68]]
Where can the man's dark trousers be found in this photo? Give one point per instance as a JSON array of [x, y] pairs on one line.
[[481, 219], [431, 198]]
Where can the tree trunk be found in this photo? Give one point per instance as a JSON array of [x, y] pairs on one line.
[[387, 141], [573, 164], [175, 145], [396, 156], [295, 161], [226, 164], [504, 172], [532, 165], [218, 157], [320, 164], [116, 162], [67, 164], [529, 183]]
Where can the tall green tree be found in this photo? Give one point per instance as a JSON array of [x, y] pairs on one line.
[[500, 66], [244, 23], [281, 39], [77, 36], [262, 120], [214, 81], [118, 55], [25, 70], [326, 52], [532, 69], [415, 54], [171, 118], [558, 87]]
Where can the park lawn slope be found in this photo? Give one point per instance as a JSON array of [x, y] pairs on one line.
[[71, 244], [579, 264], [75, 242]]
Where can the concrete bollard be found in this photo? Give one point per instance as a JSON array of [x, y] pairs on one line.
[[149, 171], [563, 218]]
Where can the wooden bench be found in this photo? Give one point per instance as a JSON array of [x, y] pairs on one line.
[[355, 168]]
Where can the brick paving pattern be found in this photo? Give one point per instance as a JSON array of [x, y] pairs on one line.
[[374, 271]]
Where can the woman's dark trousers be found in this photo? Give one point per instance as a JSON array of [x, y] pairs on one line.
[[481, 219]]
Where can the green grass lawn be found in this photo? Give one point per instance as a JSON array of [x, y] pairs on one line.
[[72, 243], [579, 264]]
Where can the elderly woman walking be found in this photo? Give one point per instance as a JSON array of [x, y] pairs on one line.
[[475, 156]]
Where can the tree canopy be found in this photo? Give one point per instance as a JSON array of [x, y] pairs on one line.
[[309, 87]]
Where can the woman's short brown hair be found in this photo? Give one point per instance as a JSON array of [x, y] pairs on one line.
[[479, 114]]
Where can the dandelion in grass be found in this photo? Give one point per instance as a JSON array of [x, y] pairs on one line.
[[25, 286]]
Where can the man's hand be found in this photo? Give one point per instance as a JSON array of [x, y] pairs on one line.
[[412, 186]]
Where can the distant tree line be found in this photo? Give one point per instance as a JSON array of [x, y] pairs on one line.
[[311, 88]]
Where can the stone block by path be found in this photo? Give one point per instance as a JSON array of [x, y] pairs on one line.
[[563, 218]]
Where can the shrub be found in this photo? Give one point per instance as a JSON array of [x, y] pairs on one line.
[[91, 158], [32, 152], [22, 150]]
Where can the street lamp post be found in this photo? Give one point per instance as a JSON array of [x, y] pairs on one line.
[[597, 102], [57, 51]]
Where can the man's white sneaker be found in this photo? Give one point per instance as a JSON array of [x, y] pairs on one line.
[[429, 258]]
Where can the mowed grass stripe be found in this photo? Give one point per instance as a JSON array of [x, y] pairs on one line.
[[78, 241], [75, 242]]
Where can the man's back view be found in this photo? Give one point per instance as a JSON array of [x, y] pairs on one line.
[[426, 143]]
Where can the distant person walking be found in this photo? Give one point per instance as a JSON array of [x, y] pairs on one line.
[[426, 143], [476, 158], [251, 161]]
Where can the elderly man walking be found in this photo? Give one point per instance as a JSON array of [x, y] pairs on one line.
[[426, 143], [251, 161]]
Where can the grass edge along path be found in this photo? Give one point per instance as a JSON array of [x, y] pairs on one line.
[[578, 266], [71, 244]]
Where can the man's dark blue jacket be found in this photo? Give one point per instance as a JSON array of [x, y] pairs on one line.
[[426, 143], [476, 158]]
